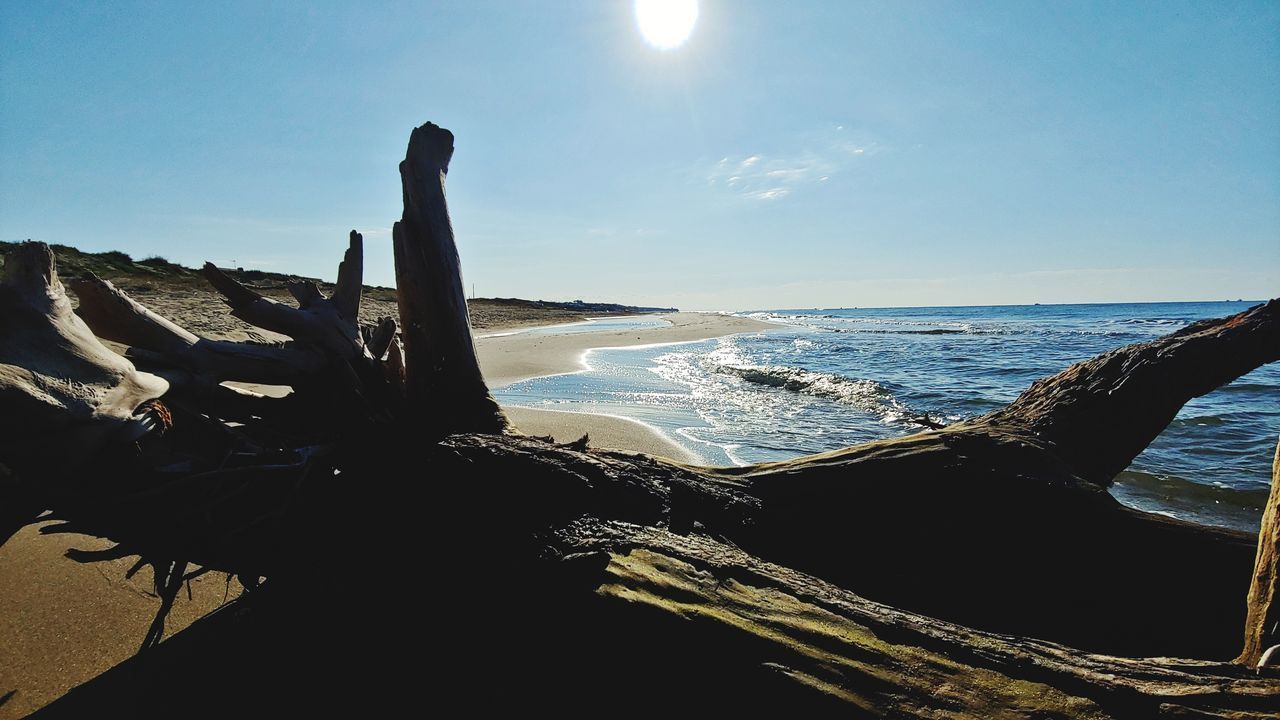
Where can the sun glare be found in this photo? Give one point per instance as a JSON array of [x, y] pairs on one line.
[[666, 24]]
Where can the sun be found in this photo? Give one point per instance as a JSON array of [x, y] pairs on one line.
[[666, 24]]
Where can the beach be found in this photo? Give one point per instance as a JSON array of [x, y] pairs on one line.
[[510, 358], [824, 379], [63, 623]]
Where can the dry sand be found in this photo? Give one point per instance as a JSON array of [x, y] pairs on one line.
[[62, 623]]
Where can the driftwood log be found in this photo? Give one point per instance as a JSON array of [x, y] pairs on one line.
[[1262, 624], [978, 570]]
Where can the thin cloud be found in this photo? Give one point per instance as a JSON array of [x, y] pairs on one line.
[[770, 194], [789, 174], [762, 177], [758, 176]]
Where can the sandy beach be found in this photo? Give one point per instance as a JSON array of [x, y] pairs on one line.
[[510, 358], [506, 359], [604, 431], [63, 623]]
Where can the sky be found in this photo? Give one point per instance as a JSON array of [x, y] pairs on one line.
[[788, 155]]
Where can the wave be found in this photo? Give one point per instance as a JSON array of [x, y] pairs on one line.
[[1005, 330], [863, 394], [1149, 321], [1136, 328], [1232, 507], [934, 331], [893, 326], [900, 321], [1176, 487], [1198, 421], [1236, 387]]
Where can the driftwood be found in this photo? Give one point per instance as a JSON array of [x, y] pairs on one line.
[[65, 396], [443, 385], [979, 570], [331, 324], [1262, 625], [115, 316]]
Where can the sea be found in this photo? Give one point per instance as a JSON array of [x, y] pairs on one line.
[[823, 379]]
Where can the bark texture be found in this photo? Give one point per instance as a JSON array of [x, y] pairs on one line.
[[63, 395], [1262, 624]]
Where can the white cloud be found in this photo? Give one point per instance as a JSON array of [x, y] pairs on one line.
[[770, 194], [760, 176], [789, 174], [853, 148], [763, 177]]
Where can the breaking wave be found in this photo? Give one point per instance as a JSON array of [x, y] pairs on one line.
[[863, 394], [893, 326]]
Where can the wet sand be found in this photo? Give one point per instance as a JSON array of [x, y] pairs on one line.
[[603, 431], [511, 358]]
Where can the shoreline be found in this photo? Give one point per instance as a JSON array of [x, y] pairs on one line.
[[608, 432], [509, 358]]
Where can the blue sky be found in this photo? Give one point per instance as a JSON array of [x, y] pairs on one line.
[[788, 155]]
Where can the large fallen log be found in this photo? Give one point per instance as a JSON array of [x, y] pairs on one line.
[[625, 614], [1003, 522], [903, 577]]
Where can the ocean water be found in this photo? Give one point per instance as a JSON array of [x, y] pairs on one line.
[[825, 379]]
